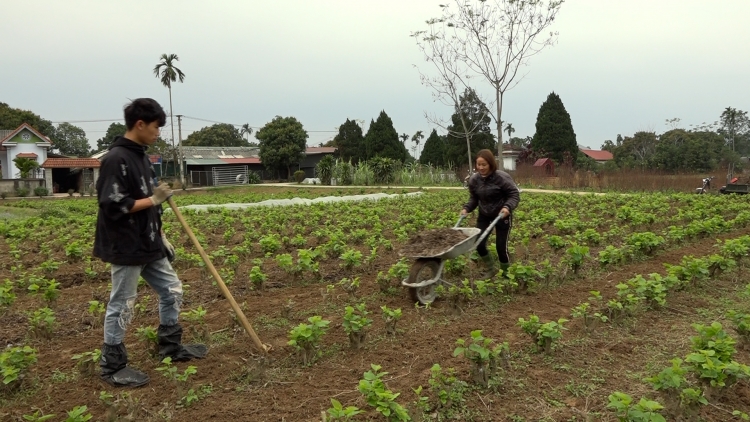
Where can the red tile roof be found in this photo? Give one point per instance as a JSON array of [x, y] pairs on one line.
[[598, 155], [26, 155], [542, 161], [64, 163]]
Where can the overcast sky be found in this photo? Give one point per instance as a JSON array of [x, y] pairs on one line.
[[619, 66]]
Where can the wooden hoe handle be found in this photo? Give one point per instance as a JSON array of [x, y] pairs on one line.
[[224, 290]]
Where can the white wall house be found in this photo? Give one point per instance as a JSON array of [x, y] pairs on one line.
[[25, 141]]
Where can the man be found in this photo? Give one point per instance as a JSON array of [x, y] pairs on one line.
[[129, 236]]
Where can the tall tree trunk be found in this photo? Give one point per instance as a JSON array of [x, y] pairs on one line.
[[177, 164], [499, 101]]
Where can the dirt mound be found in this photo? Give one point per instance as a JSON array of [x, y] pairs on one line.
[[432, 242]]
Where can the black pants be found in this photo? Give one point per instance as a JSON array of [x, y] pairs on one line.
[[502, 232]]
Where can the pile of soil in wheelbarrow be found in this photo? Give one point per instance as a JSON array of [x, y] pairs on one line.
[[432, 242]]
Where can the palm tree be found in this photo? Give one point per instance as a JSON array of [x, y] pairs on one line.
[[509, 128], [246, 130], [167, 73]]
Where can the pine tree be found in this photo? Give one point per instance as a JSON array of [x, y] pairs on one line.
[[349, 141], [554, 131], [382, 140], [477, 122], [434, 150]]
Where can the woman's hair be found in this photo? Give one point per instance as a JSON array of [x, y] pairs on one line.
[[489, 157]]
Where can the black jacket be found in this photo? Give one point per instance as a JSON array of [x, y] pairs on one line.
[[492, 193], [121, 238]]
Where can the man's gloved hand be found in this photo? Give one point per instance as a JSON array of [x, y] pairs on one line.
[[161, 193], [168, 248]]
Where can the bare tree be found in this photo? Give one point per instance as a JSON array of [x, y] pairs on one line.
[[448, 78], [496, 38]]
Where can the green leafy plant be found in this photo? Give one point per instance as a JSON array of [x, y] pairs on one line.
[[88, 362], [95, 313], [306, 338], [14, 362], [483, 354], [78, 414], [148, 336], [38, 416], [198, 327], [741, 322], [42, 323], [7, 297], [575, 256], [352, 258], [337, 412], [391, 317], [543, 334], [380, 397], [356, 324], [627, 411], [589, 316], [257, 278], [350, 285]]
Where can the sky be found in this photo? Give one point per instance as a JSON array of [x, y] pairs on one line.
[[619, 66]]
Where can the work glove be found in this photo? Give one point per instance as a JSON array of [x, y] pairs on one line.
[[168, 248], [161, 193]]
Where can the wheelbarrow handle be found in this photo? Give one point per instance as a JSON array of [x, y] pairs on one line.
[[460, 219], [489, 228]]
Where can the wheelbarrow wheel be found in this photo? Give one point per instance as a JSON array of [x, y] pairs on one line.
[[421, 270]]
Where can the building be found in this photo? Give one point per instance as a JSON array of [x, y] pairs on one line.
[[510, 157], [600, 157], [24, 141]]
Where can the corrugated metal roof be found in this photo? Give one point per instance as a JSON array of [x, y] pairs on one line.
[[204, 161]]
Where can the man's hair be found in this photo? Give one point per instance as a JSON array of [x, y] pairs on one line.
[[145, 109], [489, 157]]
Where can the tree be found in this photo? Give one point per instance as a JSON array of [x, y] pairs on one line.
[[554, 130], [167, 73], [636, 151], [283, 141], [518, 142], [113, 131], [509, 128], [71, 140], [734, 125], [450, 80], [434, 150], [382, 140], [471, 114], [416, 139], [496, 38], [25, 166], [217, 135], [11, 118], [246, 131], [349, 141]]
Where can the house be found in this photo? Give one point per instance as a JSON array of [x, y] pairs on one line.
[[546, 166], [213, 166], [600, 157], [63, 174], [510, 156], [24, 141]]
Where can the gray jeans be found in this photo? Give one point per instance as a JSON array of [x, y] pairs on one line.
[[160, 276]]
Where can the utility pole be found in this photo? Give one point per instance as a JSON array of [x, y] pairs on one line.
[[179, 147]]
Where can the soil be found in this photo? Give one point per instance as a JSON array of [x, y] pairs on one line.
[[572, 383], [432, 242]]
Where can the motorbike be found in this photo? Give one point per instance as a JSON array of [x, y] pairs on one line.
[[706, 185]]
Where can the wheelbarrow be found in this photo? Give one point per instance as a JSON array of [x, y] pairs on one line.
[[426, 272]]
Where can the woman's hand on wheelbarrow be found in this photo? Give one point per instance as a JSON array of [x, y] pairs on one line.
[[504, 213], [463, 212]]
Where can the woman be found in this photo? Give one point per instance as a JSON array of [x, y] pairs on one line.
[[495, 193]]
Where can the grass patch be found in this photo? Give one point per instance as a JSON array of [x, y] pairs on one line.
[[13, 213]]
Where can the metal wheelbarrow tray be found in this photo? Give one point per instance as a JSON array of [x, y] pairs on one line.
[[426, 272]]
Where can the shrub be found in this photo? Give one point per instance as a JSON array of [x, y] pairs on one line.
[[13, 364], [299, 176], [41, 191], [22, 192]]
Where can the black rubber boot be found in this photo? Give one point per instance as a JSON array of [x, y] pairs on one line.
[[490, 267], [170, 344], [115, 371]]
